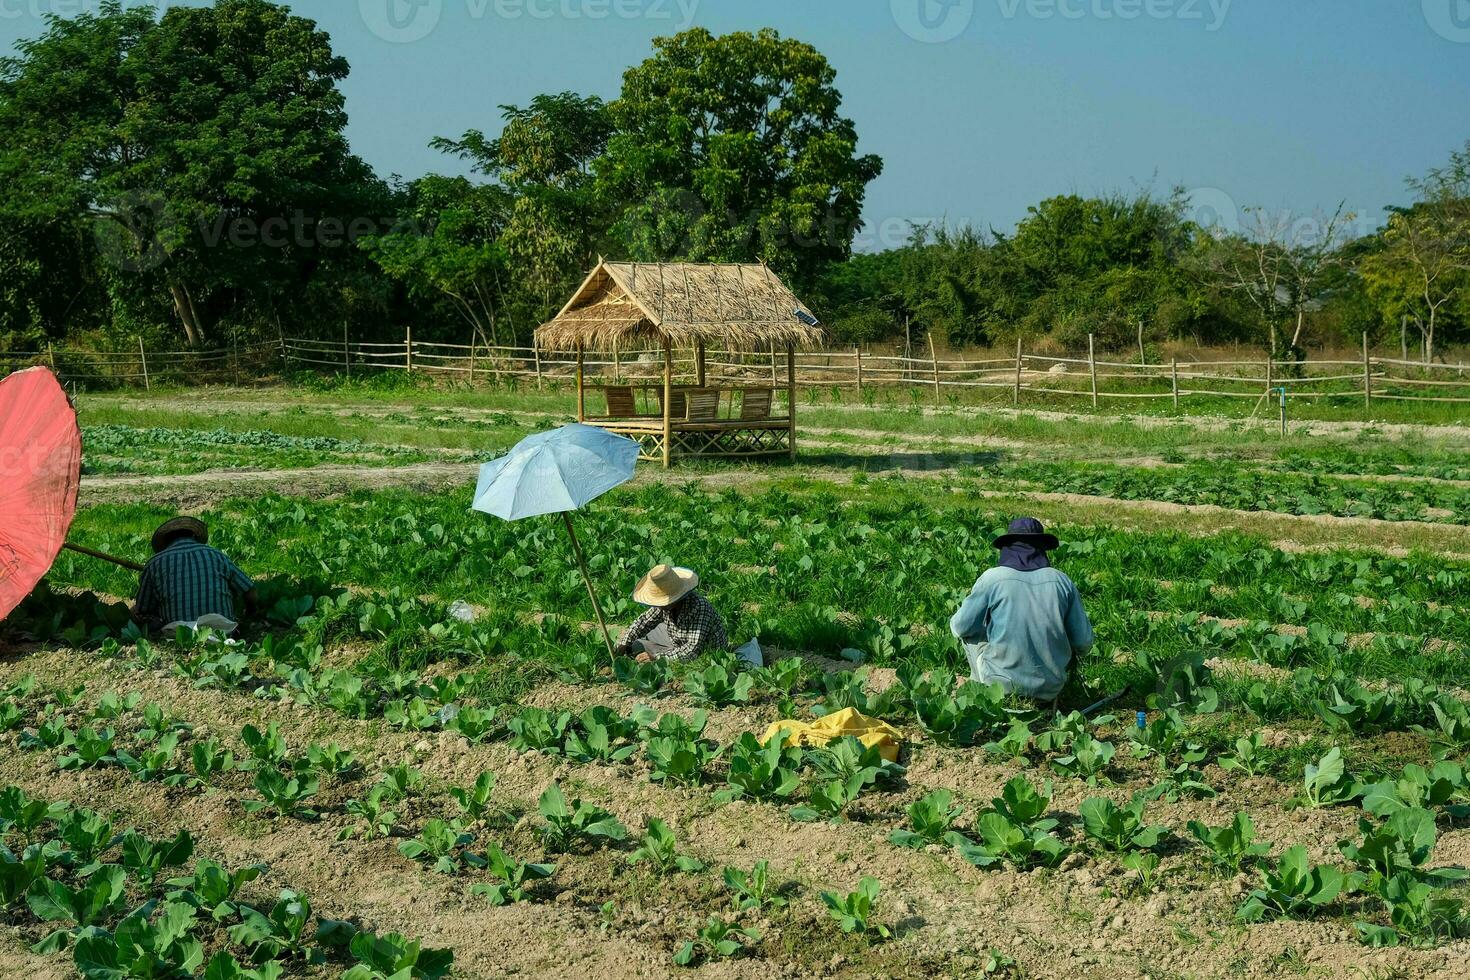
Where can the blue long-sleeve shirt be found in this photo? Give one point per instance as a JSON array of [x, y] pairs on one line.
[[1022, 629]]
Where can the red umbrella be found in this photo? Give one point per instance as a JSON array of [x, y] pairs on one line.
[[40, 467]]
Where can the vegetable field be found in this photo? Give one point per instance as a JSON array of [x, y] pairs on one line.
[[423, 765]]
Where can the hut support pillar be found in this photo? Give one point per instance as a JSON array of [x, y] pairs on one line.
[[791, 396], [668, 403], [699, 364], [581, 396]]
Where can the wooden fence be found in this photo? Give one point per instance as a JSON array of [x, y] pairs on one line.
[[1370, 377]]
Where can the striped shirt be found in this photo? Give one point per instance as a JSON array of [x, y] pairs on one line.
[[188, 580]]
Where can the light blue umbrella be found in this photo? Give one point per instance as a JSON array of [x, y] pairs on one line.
[[557, 472]]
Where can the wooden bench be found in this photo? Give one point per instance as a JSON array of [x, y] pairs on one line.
[[755, 404]]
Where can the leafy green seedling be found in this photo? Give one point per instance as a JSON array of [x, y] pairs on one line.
[[1232, 845], [93, 904], [717, 686], [1119, 828], [474, 802], [659, 850], [515, 877], [931, 818], [753, 889], [1328, 781], [767, 772], [567, 825], [440, 846], [286, 796], [1247, 757], [212, 889], [146, 859], [390, 956], [854, 911], [266, 747], [718, 940], [1292, 887]]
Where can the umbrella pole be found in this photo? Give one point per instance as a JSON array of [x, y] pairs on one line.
[[591, 592], [123, 562]]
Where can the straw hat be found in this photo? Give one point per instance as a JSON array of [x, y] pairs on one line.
[[179, 525], [664, 586]]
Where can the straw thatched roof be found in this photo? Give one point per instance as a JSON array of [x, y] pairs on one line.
[[624, 303]]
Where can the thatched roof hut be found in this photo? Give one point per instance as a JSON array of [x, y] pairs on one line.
[[681, 304]]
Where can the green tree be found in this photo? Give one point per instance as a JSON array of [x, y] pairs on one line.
[[734, 148], [205, 148]]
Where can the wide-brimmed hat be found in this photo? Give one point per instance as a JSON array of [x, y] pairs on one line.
[[664, 585], [170, 529], [1028, 530]]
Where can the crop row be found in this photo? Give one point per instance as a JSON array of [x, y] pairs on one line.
[[675, 750]]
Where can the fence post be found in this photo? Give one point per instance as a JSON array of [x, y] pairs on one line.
[[857, 352], [143, 356], [934, 362], [235, 358], [1092, 367], [617, 361], [346, 350], [1367, 374], [51, 356], [536, 353], [473, 341], [1016, 395], [773, 364], [1174, 379], [1269, 378], [408, 347]]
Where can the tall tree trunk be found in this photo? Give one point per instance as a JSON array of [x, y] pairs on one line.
[[188, 316], [1301, 319], [1429, 338], [1404, 336]]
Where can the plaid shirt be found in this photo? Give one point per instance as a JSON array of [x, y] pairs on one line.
[[188, 580], [693, 624]]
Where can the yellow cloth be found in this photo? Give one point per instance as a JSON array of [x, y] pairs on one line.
[[848, 721]]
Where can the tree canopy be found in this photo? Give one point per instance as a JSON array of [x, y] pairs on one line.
[[185, 176]]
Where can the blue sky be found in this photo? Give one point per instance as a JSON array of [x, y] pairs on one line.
[[979, 108]]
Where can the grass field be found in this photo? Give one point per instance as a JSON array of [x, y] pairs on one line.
[[1290, 613]]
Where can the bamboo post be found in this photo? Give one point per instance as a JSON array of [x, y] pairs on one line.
[[235, 358], [1174, 379], [791, 397], [51, 356], [591, 592], [408, 347], [581, 398], [1283, 411], [1016, 395], [1367, 374], [346, 351], [934, 365], [617, 361], [668, 403], [120, 562], [699, 371], [143, 357], [1270, 381], [474, 342], [857, 353], [536, 353], [1092, 366], [773, 364]]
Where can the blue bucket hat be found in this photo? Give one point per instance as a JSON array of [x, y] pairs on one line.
[[1028, 530]]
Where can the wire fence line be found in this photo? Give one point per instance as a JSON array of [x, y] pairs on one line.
[[1369, 378]]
